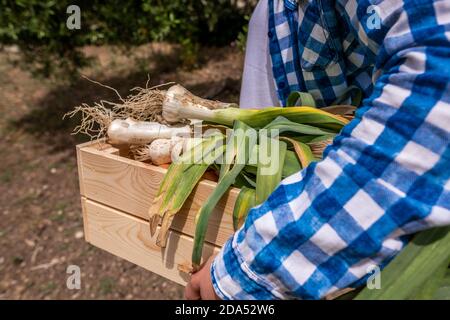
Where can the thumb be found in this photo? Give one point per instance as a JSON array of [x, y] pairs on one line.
[[192, 291]]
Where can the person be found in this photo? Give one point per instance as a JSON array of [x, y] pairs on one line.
[[385, 177]]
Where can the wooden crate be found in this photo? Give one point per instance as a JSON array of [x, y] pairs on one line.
[[116, 193]]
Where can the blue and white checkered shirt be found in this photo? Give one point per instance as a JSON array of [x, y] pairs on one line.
[[385, 177]]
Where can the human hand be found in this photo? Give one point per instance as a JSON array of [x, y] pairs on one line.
[[200, 286]]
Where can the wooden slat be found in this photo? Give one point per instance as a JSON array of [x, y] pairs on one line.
[[130, 186], [85, 219], [129, 238], [80, 171], [99, 145]]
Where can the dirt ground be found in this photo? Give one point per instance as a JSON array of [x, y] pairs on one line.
[[41, 231]]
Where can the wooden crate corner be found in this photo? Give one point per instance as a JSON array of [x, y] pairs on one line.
[[116, 193]]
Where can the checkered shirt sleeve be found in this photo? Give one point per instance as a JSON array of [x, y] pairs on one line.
[[385, 177]]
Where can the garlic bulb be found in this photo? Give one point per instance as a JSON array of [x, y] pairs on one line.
[[130, 131], [180, 104]]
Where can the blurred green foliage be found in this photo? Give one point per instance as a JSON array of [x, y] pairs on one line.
[[38, 27]]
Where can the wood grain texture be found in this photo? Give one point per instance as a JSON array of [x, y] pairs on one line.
[[130, 186], [80, 166], [129, 237], [85, 219]]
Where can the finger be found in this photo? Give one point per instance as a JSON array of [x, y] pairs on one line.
[[196, 270], [207, 291], [202, 266], [192, 293]]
